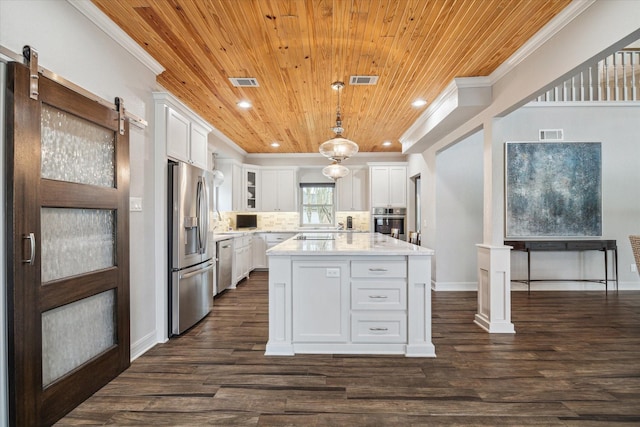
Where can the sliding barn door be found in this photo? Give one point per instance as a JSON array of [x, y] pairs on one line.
[[68, 248]]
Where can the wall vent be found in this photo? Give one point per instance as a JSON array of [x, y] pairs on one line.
[[551, 135], [244, 81], [363, 80]]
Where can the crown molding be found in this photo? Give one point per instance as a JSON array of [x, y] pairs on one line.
[[102, 21], [448, 100]]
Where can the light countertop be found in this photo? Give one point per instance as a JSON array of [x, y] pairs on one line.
[[347, 244], [225, 235]]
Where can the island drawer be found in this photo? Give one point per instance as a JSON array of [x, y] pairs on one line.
[[379, 268], [381, 327], [387, 295]]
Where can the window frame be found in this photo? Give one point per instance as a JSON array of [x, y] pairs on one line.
[[302, 205]]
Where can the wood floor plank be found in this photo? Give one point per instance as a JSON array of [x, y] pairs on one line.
[[572, 362]]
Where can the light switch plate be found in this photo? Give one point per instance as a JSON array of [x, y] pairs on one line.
[[135, 204]]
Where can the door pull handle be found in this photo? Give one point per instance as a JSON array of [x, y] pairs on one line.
[[32, 257], [195, 273]]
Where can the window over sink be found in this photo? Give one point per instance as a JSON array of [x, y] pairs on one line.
[[317, 206]]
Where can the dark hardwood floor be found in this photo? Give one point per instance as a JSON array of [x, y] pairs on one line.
[[574, 361]]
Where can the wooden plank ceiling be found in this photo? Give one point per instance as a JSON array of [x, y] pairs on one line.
[[297, 48]]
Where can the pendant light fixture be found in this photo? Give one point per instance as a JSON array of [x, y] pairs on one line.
[[335, 171], [337, 148]]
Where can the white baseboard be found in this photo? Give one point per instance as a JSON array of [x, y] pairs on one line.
[[537, 286], [143, 345], [453, 286], [575, 286]]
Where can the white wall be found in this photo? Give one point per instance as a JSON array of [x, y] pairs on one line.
[[602, 27], [74, 48], [617, 127], [459, 195]]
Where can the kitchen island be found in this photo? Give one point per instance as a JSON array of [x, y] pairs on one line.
[[349, 293]]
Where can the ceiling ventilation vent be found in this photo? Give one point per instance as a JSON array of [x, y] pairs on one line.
[[363, 80], [244, 81], [551, 135]]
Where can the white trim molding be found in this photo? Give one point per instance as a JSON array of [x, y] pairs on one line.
[[494, 289], [102, 21]]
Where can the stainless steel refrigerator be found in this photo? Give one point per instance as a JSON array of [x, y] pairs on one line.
[[190, 255]]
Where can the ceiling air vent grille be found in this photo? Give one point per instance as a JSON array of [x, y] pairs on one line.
[[363, 80], [551, 135], [244, 81]]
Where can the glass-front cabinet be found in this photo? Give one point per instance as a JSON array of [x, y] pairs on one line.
[[251, 177]]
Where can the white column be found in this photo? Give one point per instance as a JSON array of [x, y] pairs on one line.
[[280, 309], [494, 259], [494, 289], [419, 307]]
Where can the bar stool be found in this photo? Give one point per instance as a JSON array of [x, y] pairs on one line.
[[395, 233], [414, 237]]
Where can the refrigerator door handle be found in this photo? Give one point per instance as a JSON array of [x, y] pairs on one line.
[[205, 215], [194, 273], [202, 222]]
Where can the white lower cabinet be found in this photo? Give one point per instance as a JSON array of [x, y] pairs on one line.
[[320, 301], [349, 302], [379, 327], [273, 239], [258, 251], [379, 301], [242, 257]]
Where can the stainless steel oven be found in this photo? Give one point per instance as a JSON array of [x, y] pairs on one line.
[[384, 219]]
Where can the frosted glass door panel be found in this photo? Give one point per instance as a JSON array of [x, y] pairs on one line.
[[75, 333], [76, 241], [76, 150]]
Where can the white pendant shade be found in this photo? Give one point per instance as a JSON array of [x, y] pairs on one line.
[[338, 148], [218, 178], [335, 171]]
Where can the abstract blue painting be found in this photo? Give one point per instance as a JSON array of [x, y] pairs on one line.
[[553, 189]]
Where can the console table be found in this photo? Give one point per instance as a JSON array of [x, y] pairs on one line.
[[604, 246]]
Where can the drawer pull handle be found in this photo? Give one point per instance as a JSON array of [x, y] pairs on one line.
[[378, 270], [378, 329], [378, 296]]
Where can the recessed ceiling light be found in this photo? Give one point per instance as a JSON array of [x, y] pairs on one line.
[[244, 104], [386, 143], [419, 103], [275, 145]]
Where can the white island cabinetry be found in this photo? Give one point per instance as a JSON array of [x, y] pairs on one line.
[[362, 293], [320, 293]]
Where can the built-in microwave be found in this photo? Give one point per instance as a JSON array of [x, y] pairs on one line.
[[384, 219]]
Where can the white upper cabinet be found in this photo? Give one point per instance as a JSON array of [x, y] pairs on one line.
[[278, 190], [230, 195], [181, 131], [198, 146], [177, 135], [352, 190], [388, 186], [250, 187]]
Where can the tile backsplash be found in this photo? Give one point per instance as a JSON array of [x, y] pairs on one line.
[[274, 221]]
